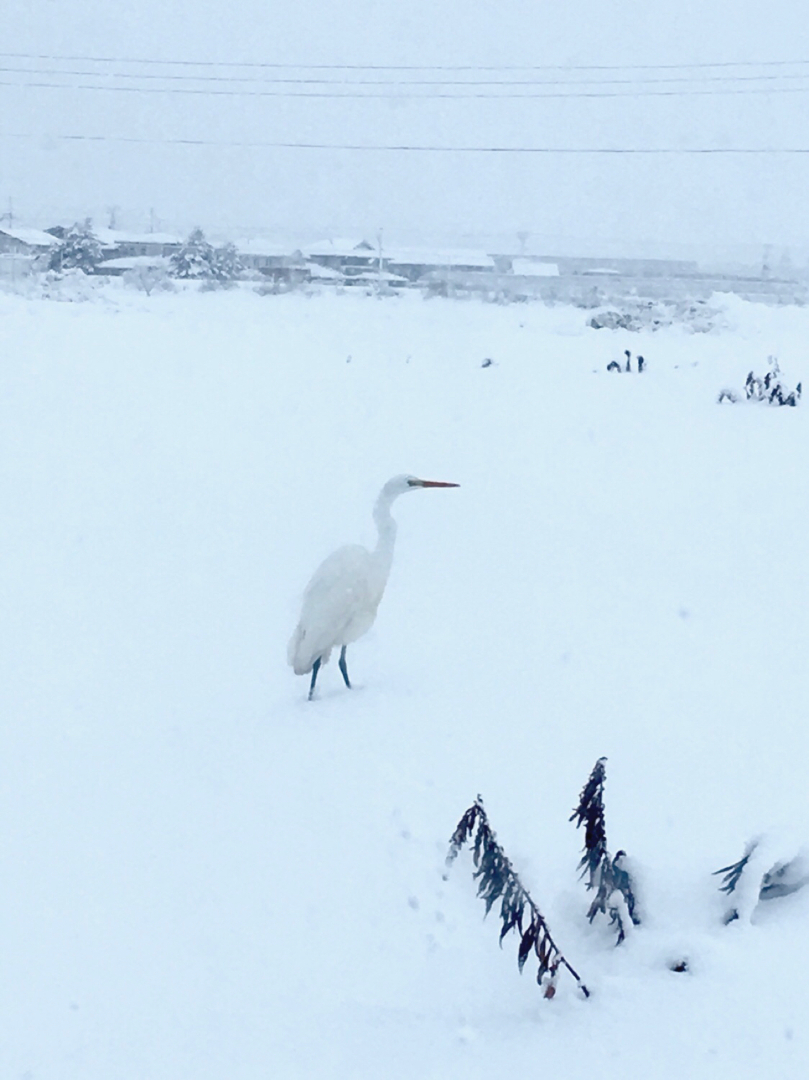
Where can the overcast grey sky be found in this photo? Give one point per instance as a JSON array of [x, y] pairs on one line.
[[637, 198]]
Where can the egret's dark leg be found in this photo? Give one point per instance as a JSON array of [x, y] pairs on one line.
[[342, 666], [315, 669]]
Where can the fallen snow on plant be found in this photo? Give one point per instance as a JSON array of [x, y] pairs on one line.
[[207, 876]]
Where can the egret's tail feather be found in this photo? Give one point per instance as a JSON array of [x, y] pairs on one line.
[[302, 652], [297, 656]]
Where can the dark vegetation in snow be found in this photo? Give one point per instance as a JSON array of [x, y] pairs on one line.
[[768, 388], [497, 880], [640, 363], [785, 877], [732, 876], [605, 873]]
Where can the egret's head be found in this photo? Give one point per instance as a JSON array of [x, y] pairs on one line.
[[398, 485], [414, 482]]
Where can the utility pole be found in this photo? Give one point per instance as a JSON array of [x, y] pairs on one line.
[[765, 262]]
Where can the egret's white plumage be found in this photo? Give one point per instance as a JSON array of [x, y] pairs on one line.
[[339, 605], [341, 600]]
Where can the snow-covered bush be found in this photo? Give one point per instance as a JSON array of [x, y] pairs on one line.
[[149, 279], [634, 314], [768, 388], [80, 249], [271, 288], [71, 286], [615, 320], [770, 868], [727, 393]]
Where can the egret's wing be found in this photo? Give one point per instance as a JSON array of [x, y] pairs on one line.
[[340, 590]]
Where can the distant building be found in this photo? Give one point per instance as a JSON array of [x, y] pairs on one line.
[[324, 274], [533, 268], [120, 243], [120, 266], [280, 262], [383, 278], [117, 243], [16, 240], [579, 265], [418, 265], [347, 255]]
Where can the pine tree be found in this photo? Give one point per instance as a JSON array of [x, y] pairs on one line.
[[225, 263], [195, 259], [80, 249]]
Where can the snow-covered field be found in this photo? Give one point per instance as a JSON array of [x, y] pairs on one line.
[[206, 877]]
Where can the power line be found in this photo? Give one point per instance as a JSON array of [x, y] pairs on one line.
[[417, 148], [396, 82], [400, 95], [404, 67]]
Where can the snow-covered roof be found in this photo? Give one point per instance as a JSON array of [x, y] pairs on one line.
[[448, 258], [109, 237], [131, 262], [324, 272], [375, 275], [33, 237], [256, 245], [339, 246], [531, 268]]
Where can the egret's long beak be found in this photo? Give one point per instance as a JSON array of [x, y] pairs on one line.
[[432, 483]]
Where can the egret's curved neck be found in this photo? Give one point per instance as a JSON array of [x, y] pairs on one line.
[[386, 527]]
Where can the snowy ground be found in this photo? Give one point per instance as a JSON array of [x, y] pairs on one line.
[[206, 877]]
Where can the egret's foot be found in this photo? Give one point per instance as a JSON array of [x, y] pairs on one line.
[[343, 667]]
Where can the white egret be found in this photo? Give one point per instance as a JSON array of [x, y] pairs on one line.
[[340, 601]]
